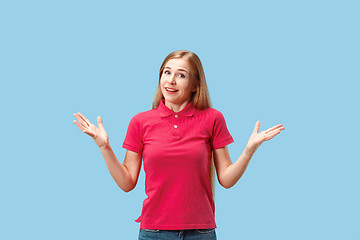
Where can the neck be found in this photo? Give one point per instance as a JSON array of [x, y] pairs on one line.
[[176, 107]]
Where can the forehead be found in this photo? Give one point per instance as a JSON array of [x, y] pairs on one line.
[[178, 63]]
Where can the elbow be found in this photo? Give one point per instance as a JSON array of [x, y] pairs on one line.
[[228, 181], [225, 184], [128, 189]]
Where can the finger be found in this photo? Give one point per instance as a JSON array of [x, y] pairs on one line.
[[273, 128], [272, 135], [81, 120], [89, 133], [85, 119], [79, 125], [84, 130], [257, 127]]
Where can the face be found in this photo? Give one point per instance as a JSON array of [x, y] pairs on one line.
[[175, 82]]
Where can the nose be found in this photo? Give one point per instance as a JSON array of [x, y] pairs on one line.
[[171, 79]]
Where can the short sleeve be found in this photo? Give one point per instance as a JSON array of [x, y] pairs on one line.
[[133, 139], [220, 135]]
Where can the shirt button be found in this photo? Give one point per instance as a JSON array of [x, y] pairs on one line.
[[175, 126], [176, 116]]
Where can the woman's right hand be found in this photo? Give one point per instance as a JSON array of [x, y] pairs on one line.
[[97, 133]]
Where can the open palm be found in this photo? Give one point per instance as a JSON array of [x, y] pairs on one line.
[[97, 133], [257, 138]]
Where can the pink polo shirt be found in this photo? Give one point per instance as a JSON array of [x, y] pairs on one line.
[[176, 149]]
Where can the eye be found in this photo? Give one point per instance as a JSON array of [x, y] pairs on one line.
[[166, 72], [181, 75]]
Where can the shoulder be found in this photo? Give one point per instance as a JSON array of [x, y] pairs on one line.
[[145, 116], [211, 113]]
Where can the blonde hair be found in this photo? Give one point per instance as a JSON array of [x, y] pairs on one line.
[[200, 98]]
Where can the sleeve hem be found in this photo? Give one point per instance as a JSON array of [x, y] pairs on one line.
[[131, 148], [223, 143]]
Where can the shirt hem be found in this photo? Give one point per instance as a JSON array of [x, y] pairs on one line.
[[177, 227]]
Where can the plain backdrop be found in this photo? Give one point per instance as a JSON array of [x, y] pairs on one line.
[[289, 62]]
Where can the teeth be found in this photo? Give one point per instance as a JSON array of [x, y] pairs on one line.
[[170, 90]]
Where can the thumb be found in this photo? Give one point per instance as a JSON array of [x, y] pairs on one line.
[[100, 123], [257, 127]]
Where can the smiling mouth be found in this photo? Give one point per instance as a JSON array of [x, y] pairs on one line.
[[171, 90]]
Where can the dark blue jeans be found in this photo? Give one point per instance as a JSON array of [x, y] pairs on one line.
[[193, 234]]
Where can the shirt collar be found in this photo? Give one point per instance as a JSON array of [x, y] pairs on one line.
[[164, 111]]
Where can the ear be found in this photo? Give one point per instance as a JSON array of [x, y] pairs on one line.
[[195, 88]]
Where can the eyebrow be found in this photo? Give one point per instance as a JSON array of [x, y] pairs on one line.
[[181, 69]]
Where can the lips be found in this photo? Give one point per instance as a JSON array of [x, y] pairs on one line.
[[171, 90]]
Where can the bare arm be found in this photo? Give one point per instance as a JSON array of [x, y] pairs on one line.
[[229, 173], [126, 174]]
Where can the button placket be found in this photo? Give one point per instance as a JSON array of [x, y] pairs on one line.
[[176, 126]]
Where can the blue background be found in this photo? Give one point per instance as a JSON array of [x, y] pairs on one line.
[[289, 62]]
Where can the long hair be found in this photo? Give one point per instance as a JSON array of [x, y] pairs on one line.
[[200, 98]]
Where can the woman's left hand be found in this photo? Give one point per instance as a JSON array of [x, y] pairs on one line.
[[257, 138]]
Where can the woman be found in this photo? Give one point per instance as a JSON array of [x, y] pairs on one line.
[[180, 141]]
